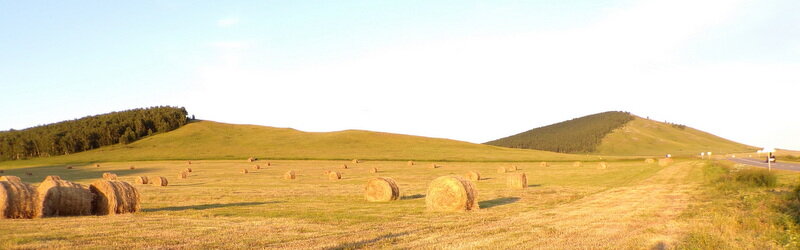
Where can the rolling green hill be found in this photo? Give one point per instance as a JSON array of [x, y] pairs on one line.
[[213, 140], [622, 134]]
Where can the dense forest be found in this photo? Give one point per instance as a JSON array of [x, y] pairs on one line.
[[579, 135], [89, 132]]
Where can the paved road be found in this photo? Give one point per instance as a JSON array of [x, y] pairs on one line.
[[762, 164]]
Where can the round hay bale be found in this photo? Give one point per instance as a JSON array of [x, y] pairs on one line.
[[69, 167], [433, 165], [381, 189], [333, 175], [544, 164], [344, 166], [649, 161], [251, 159], [665, 162], [450, 194], [327, 172], [517, 180], [473, 176], [289, 175], [183, 175], [513, 168], [29, 174], [97, 165], [410, 163], [114, 197], [244, 171], [17, 199], [52, 178], [501, 170], [602, 165], [188, 170], [10, 178], [256, 167], [373, 170], [577, 164], [356, 161], [132, 167], [158, 181], [269, 164], [109, 176], [142, 180], [190, 162], [63, 198]]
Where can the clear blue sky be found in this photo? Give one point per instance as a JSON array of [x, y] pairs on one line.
[[466, 70]]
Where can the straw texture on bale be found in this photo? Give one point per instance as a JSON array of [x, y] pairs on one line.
[[411, 163], [142, 180], [10, 178], [373, 170], [333, 175], [602, 165], [577, 164], [381, 189], [244, 171], [52, 178], [63, 198], [114, 197], [189, 170], [501, 170], [158, 181], [289, 175], [473, 176], [109, 176], [451, 194], [517, 180], [17, 199], [183, 175], [665, 162], [544, 164], [650, 161], [256, 167]]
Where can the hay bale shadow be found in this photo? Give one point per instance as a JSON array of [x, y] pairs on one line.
[[208, 206], [498, 202], [535, 185], [412, 197], [364, 243]]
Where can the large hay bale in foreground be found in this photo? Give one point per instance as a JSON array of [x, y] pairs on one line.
[[289, 175], [451, 193], [114, 197], [381, 189], [517, 180], [17, 199], [158, 181], [183, 175], [665, 162], [473, 176], [142, 180], [333, 175], [501, 170], [544, 164], [577, 164], [109, 176], [63, 198], [602, 165], [10, 178]]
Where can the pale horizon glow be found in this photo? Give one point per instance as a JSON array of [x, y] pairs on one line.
[[470, 71]]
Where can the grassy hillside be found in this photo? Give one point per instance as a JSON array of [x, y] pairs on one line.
[[579, 135], [646, 137], [213, 140]]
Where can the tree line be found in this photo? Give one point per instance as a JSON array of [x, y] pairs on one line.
[[579, 135], [90, 132]]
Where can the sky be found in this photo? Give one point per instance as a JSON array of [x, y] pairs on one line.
[[466, 70]]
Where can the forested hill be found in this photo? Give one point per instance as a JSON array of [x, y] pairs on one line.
[[89, 132], [579, 135]]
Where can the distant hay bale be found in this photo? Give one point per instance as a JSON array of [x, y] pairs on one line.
[[10, 178], [433, 165], [183, 175], [190, 162], [17, 199], [69, 167], [513, 168], [544, 164], [333, 175], [344, 166], [114, 197], [473, 176], [158, 181], [373, 170], [289, 175], [602, 165], [63, 198], [451, 194], [109, 176], [356, 161], [663, 162], [327, 172], [251, 159], [29, 174], [132, 167], [381, 189], [188, 170], [577, 164], [244, 171], [269, 164], [649, 161], [256, 167], [142, 180], [97, 165], [410, 163], [52, 178], [517, 180], [501, 170]]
